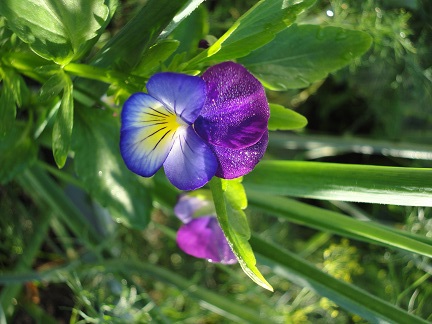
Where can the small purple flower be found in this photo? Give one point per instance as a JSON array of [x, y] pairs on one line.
[[201, 237], [196, 127]]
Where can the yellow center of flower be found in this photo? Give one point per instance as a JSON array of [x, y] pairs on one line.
[[159, 126]]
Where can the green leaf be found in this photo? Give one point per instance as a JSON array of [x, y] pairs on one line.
[[56, 30], [282, 118], [17, 152], [302, 54], [349, 297], [99, 165], [318, 146], [7, 111], [333, 222], [234, 225], [126, 48], [254, 29], [13, 93], [52, 87], [63, 124], [187, 11], [155, 56], [190, 31], [347, 182]]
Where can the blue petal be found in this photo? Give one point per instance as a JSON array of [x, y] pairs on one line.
[[184, 94], [203, 238], [147, 132], [191, 163]]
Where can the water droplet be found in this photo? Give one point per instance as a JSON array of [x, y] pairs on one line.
[[329, 13], [100, 173]]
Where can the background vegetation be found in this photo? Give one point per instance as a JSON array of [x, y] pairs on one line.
[[65, 258]]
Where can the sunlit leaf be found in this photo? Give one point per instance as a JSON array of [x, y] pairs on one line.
[[302, 54], [255, 28], [347, 182], [235, 227], [155, 56], [55, 29], [126, 48], [282, 118]]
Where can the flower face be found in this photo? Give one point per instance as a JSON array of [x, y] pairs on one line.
[[201, 237], [196, 127]]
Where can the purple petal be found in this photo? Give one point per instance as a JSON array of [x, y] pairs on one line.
[[236, 112], [191, 162], [184, 94], [203, 238], [146, 133], [236, 163], [187, 206]]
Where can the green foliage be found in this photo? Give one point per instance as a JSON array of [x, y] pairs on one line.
[[100, 167], [254, 29], [282, 118], [344, 238], [53, 29], [302, 54], [63, 124], [230, 201], [359, 183]]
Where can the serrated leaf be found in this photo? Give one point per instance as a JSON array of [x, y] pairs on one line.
[[63, 124], [17, 152], [303, 54], [235, 228], [282, 118], [99, 165], [55, 29], [255, 28]]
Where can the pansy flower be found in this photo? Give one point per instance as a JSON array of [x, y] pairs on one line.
[[202, 236], [196, 127]]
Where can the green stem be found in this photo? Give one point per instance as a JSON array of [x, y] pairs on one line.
[[94, 73], [104, 75]]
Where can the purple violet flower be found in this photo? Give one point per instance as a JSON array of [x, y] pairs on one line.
[[201, 237], [196, 127]]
